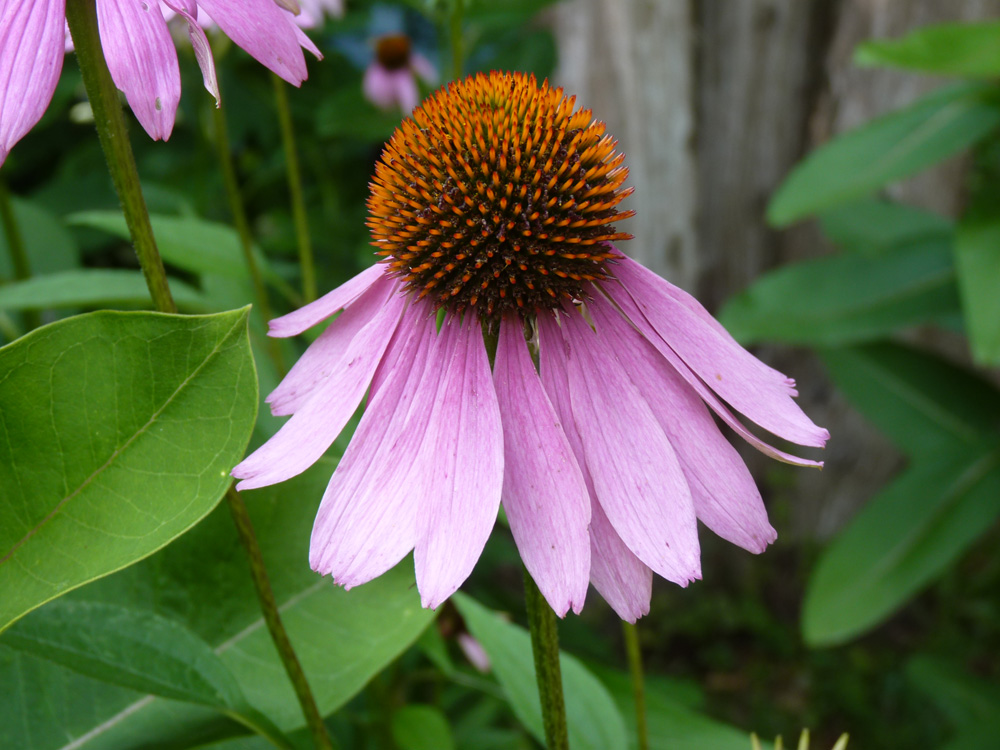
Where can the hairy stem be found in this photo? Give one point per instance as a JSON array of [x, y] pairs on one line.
[[113, 133], [545, 646], [634, 656], [273, 620], [295, 190]]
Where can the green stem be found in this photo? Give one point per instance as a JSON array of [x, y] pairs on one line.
[[295, 190], [113, 133], [273, 620], [18, 256], [238, 211], [545, 647], [634, 656], [456, 40]]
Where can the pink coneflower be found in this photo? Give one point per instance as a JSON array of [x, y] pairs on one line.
[[139, 52], [390, 82], [494, 204]]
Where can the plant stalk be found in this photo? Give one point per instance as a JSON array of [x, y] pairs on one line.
[[81, 15], [272, 618], [18, 255], [634, 656], [542, 624], [238, 211], [299, 215], [456, 40]]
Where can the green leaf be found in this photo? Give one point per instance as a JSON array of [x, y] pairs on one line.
[[201, 581], [948, 49], [847, 298], [921, 402], [886, 149], [872, 225], [119, 431], [977, 259], [905, 537], [91, 288], [671, 724], [594, 721], [966, 700], [137, 650], [190, 243], [48, 245], [421, 728], [982, 736]]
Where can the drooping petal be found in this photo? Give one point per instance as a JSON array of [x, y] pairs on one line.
[[407, 95], [307, 435], [378, 87], [324, 355], [367, 520], [625, 582], [637, 477], [262, 29], [304, 41], [726, 498], [31, 57], [461, 461], [142, 61], [763, 394], [632, 312], [423, 68], [188, 10], [309, 315], [544, 492]]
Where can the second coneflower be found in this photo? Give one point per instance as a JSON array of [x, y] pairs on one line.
[[495, 203]]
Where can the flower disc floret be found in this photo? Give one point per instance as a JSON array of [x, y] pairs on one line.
[[496, 195]]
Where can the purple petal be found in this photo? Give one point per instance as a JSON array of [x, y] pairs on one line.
[[725, 496], [262, 29], [407, 95], [632, 312], [324, 355], [461, 462], [423, 68], [32, 39], [763, 394], [142, 61], [378, 86], [304, 41], [544, 493], [188, 10], [307, 435], [368, 518], [309, 315], [624, 581], [637, 477]]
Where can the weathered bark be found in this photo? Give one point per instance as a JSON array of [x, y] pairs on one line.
[[714, 101]]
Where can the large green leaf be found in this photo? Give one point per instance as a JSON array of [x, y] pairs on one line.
[[138, 650], [201, 581], [872, 225], [950, 49], [906, 536], [891, 147], [119, 431], [421, 728], [594, 721], [921, 402], [92, 288], [671, 723], [977, 260], [966, 700], [847, 298]]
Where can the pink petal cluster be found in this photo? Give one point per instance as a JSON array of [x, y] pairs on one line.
[[392, 84], [139, 52], [604, 457]]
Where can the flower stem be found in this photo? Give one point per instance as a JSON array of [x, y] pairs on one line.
[[113, 133], [238, 211], [273, 620], [295, 190], [18, 256], [634, 656], [545, 647]]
